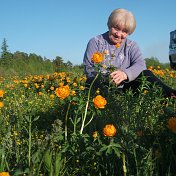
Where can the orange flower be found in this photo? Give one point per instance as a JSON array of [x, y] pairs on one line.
[[63, 92], [1, 104], [172, 124], [109, 130], [118, 45], [40, 93], [4, 174], [97, 57], [99, 101], [1, 93]]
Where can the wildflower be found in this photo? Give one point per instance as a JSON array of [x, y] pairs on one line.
[[51, 96], [63, 92], [172, 124], [98, 91], [118, 45], [39, 93], [109, 130], [81, 87], [99, 101], [4, 174], [145, 91], [25, 85], [97, 57], [75, 84], [16, 81], [73, 92], [52, 88], [1, 93], [1, 104], [95, 134]]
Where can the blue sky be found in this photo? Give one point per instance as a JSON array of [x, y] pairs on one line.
[[51, 28]]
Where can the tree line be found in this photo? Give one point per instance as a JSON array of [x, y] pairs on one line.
[[21, 63]]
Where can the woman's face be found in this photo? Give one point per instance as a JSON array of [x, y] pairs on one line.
[[117, 34]]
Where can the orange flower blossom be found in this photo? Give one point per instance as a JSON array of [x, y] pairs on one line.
[[99, 101], [97, 57], [4, 174], [118, 45], [63, 92], [2, 93], [1, 104], [109, 130]]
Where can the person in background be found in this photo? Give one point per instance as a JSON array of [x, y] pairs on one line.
[[122, 54]]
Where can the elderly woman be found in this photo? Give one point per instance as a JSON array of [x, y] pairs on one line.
[[122, 54]]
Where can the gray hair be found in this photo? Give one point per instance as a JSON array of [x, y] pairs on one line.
[[123, 18]]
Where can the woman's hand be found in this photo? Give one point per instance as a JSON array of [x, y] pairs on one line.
[[118, 76]]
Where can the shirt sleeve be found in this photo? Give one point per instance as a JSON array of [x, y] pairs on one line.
[[137, 62]]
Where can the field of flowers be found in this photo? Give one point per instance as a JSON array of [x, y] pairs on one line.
[[53, 125]]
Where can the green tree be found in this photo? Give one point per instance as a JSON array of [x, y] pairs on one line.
[[58, 63], [5, 54]]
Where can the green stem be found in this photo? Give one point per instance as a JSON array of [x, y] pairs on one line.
[[87, 104], [134, 151], [66, 119], [74, 125], [89, 121], [30, 141], [124, 165]]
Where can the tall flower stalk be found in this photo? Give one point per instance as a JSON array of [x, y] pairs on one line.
[[87, 104]]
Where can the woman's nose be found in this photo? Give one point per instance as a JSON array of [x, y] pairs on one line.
[[118, 33]]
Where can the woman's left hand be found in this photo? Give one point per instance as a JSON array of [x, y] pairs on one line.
[[118, 76]]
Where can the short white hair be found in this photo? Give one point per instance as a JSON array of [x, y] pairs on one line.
[[123, 18]]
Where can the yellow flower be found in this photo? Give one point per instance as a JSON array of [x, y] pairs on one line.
[[52, 88], [98, 91], [63, 92], [73, 92], [2, 93], [99, 101], [95, 134], [97, 57], [109, 130], [4, 174], [118, 45], [75, 84], [81, 88], [172, 124], [1, 104], [51, 96], [145, 91], [25, 85]]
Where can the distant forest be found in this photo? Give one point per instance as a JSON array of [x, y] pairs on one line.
[[21, 63]]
